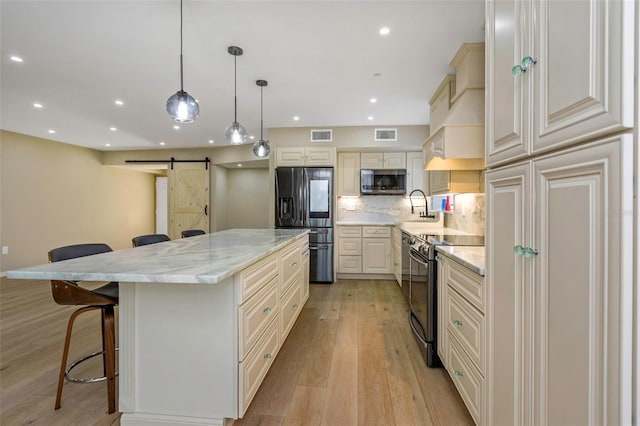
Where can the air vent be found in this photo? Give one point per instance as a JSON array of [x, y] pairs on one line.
[[324, 135], [386, 135]]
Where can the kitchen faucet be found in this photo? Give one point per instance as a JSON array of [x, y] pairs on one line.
[[424, 214]]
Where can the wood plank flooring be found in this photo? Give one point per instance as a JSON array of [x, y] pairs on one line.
[[349, 360]]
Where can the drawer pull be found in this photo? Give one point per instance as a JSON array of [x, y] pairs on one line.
[[458, 373], [294, 264], [266, 310], [295, 306], [267, 356], [457, 323]]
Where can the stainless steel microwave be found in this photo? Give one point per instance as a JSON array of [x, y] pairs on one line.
[[383, 181]]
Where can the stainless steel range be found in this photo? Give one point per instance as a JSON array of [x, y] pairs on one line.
[[423, 289]]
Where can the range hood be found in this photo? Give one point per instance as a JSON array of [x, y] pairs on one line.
[[458, 143]]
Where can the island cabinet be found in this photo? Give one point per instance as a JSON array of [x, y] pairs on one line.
[[364, 250], [310, 157], [396, 250], [461, 332]]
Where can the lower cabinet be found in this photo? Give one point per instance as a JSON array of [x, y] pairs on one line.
[[364, 250], [396, 254], [276, 289], [461, 332], [560, 287]]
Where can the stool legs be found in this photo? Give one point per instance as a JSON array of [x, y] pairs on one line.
[[65, 352], [109, 353]]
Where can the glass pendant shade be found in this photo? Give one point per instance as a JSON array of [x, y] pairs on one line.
[[235, 133], [182, 107], [261, 148]]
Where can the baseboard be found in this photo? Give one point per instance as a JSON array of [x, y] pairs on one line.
[[366, 277]]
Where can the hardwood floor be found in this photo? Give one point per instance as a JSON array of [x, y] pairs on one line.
[[349, 360]]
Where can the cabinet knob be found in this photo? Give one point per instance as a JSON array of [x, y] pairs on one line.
[[458, 373], [457, 323], [267, 356], [525, 251], [295, 306], [294, 264], [437, 258], [266, 310], [527, 62]]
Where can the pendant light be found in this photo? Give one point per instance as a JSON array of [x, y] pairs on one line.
[[261, 148], [182, 107], [235, 133]]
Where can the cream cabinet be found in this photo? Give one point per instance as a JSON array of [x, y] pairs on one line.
[[442, 182], [348, 174], [396, 251], [440, 102], [383, 160], [559, 281], [461, 332], [417, 178], [364, 250], [574, 74], [294, 157]]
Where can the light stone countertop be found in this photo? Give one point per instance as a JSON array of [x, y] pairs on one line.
[[470, 257], [206, 259]]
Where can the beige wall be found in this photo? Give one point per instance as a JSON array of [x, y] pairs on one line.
[[219, 199], [54, 194], [248, 198], [355, 137]]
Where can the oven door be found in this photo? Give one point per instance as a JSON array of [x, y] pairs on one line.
[[422, 304]]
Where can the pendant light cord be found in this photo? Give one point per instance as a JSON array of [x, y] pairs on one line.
[[235, 88], [261, 125], [181, 68]]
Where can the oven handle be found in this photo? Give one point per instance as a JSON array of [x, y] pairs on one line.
[[420, 261], [413, 328]]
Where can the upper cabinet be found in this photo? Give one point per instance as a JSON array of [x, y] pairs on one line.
[[561, 78], [457, 115], [383, 160], [417, 178], [293, 157], [348, 174]]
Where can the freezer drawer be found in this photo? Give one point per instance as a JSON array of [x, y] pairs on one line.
[[321, 263]]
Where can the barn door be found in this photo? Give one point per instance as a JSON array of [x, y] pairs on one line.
[[188, 198]]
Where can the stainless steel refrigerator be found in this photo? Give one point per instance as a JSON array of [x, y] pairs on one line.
[[304, 199]]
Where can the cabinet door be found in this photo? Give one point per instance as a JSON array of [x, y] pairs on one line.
[[319, 156], [415, 171], [583, 288], [507, 96], [371, 160], [584, 76], [287, 157], [439, 181], [305, 274], [509, 281], [394, 160], [442, 310], [349, 174], [376, 255]]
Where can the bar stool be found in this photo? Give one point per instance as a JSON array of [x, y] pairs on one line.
[[143, 240], [104, 298], [192, 233]]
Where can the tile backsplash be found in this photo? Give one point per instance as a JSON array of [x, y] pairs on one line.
[[467, 215]]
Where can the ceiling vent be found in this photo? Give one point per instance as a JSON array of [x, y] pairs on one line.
[[323, 135], [386, 135]]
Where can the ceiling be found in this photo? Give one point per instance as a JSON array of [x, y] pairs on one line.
[[323, 60]]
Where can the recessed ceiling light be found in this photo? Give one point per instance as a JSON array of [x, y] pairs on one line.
[[162, 143], [296, 118], [176, 127], [373, 100], [107, 144], [37, 105], [211, 141], [16, 59], [370, 118], [119, 102], [113, 129], [52, 131], [252, 137], [384, 30], [239, 165]]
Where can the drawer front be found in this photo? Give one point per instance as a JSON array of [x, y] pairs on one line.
[[291, 266], [291, 306], [467, 283], [467, 380], [255, 314], [255, 366], [376, 231], [467, 325], [349, 231], [350, 264], [257, 275], [350, 247]]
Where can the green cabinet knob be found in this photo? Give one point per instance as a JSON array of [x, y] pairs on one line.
[[517, 70], [458, 373], [457, 323], [527, 62], [525, 251], [267, 356], [266, 310]]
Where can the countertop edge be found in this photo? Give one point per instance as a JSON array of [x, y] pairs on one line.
[[480, 270]]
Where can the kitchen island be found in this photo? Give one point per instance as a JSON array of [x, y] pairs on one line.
[[201, 319]]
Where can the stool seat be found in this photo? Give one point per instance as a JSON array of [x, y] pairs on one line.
[[143, 240], [192, 233]]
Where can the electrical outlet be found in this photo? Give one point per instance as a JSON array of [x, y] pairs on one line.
[[5, 249]]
